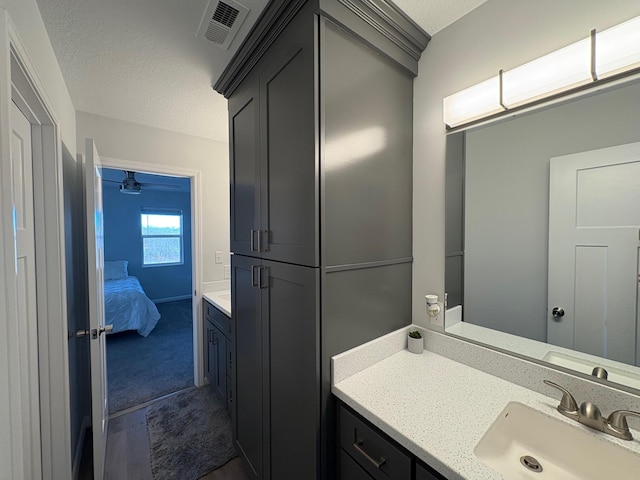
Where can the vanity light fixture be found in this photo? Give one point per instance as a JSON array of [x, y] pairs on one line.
[[472, 103], [618, 48], [601, 55]]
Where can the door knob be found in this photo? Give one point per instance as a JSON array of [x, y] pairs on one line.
[[557, 312], [96, 332], [106, 328]]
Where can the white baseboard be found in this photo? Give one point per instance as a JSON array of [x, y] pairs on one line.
[[171, 299], [77, 457]]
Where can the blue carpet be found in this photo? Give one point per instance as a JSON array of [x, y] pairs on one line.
[[140, 369]]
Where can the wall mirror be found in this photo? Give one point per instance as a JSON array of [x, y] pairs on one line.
[[543, 233]]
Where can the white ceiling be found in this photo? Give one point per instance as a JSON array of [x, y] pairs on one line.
[[140, 61]]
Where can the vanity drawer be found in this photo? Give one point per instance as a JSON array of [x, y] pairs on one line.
[[218, 318], [425, 472], [375, 453], [349, 469]]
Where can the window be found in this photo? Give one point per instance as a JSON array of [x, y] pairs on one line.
[[161, 237]]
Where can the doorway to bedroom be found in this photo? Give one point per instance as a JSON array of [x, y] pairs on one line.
[[148, 287]]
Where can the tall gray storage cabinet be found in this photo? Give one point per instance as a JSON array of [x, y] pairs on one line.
[[320, 123]]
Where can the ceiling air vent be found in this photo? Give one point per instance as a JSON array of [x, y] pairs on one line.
[[221, 22]]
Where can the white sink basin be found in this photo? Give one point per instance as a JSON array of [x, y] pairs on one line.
[[585, 365], [563, 451]]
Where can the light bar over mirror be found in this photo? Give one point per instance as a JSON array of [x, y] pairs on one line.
[[602, 55]]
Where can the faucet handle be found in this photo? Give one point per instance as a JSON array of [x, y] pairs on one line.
[[600, 372], [568, 404], [617, 421]]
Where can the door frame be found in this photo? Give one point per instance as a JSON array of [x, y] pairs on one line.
[[195, 177], [40, 445]]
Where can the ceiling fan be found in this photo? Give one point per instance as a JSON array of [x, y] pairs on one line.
[[131, 186]]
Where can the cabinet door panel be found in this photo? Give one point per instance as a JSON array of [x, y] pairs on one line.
[[367, 117], [293, 341], [288, 147], [248, 378], [244, 166]]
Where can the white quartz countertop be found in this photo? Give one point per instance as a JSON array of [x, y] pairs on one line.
[[437, 408], [220, 299]]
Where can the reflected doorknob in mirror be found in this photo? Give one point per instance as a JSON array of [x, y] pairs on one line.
[[557, 312]]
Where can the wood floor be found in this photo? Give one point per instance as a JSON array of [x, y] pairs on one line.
[[128, 452]]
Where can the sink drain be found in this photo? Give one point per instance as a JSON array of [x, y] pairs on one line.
[[531, 463]]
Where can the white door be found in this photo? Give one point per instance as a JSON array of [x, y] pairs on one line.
[[594, 238], [21, 166], [95, 259]]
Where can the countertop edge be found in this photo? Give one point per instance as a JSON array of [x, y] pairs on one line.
[[221, 304]]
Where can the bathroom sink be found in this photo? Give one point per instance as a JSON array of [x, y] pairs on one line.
[[523, 443], [585, 365]]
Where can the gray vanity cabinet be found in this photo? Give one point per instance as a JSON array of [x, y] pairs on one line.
[[320, 111], [366, 453], [424, 472], [218, 352]]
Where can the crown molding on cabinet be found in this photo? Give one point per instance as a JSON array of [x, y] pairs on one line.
[[402, 39]]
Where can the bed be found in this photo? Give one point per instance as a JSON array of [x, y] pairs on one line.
[[126, 306]]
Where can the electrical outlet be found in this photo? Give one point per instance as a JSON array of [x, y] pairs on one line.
[[227, 271], [219, 256]]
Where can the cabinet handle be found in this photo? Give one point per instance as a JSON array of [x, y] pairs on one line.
[[260, 240], [262, 282], [254, 280], [264, 240], [253, 243], [358, 444]]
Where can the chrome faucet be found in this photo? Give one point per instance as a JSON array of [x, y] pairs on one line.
[[589, 414]]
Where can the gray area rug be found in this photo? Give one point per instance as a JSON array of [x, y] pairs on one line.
[[189, 435], [140, 369]]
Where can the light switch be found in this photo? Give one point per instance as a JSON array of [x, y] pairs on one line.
[[219, 256]]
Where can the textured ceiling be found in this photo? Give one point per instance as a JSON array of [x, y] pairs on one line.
[[140, 60]]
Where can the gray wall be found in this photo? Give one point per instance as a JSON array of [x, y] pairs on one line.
[[507, 203], [498, 34]]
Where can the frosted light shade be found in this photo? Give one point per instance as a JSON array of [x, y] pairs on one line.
[[558, 71], [618, 48], [472, 103]]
